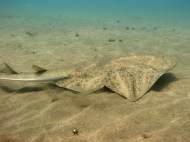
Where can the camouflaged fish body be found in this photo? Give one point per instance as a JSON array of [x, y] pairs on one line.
[[130, 77]]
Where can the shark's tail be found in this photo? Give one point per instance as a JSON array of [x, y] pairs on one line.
[[12, 81]]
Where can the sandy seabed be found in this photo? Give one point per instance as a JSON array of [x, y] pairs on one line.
[[51, 115]]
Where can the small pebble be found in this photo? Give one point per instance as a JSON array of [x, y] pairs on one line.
[[120, 40], [30, 33], [133, 28], [33, 52], [62, 60], [173, 30], [111, 40], [75, 131], [13, 35], [155, 28], [95, 49], [54, 99], [77, 35], [127, 28], [143, 28], [146, 136], [104, 28]]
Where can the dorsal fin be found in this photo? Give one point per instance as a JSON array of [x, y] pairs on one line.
[[9, 69], [38, 69]]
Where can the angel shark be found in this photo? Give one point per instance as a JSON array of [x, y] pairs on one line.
[[131, 76]]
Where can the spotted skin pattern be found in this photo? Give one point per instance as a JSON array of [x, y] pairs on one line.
[[131, 76]]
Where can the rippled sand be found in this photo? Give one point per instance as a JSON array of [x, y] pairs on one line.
[[49, 115]]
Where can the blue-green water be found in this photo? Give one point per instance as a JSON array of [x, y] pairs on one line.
[[175, 12]]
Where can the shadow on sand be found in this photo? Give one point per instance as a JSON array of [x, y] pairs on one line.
[[163, 81]]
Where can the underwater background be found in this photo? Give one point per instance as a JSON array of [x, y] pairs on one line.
[[66, 34], [172, 12]]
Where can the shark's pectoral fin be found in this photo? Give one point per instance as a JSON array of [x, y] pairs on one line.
[[122, 83], [81, 84], [38, 69], [8, 69]]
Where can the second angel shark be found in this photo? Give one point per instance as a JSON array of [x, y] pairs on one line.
[[130, 77]]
